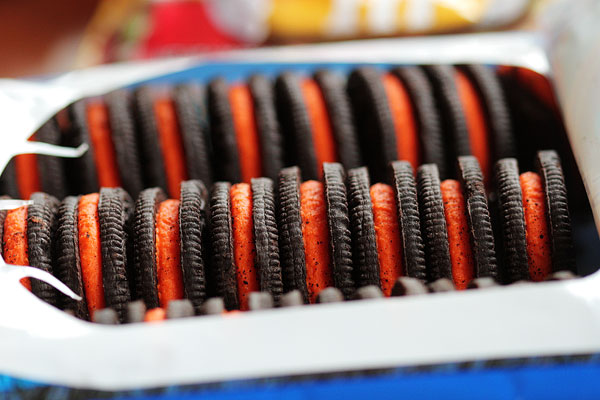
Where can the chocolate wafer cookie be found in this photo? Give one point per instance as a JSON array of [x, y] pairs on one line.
[[222, 245], [426, 116], [340, 117], [115, 212], [480, 224], [296, 125], [68, 266], [144, 244], [81, 172], [41, 227], [374, 121], [124, 137], [51, 169], [193, 226], [192, 114], [366, 263], [405, 188], [433, 223], [226, 156], [148, 137], [512, 220], [449, 106], [266, 237], [495, 105], [334, 177], [291, 245], [559, 218], [271, 142]]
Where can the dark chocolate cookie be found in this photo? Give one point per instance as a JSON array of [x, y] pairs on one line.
[[291, 245], [512, 220], [192, 114], [340, 116], [124, 137], [51, 169], [271, 142], [433, 223], [496, 110], [144, 246], [426, 115], [148, 138], [222, 245], [115, 211], [340, 246], [193, 227], [41, 227], [478, 214], [559, 218], [226, 156], [374, 121], [81, 172], [68, 267], [413, 251], [296, 125], [366, 262], [266, 237], [454, 123]]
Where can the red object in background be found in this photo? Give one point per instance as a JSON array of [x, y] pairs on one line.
[[183, 27]]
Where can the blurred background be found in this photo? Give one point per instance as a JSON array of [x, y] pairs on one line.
[[40, 37]]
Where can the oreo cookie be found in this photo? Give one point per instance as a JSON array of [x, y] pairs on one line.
[[426, 116], [192, 114], [265, 115], [366, 262], [296, 125], [124, 138], [405, 188], [193, 227], [226, 156], [479, 220], [8, 181], [81, 172], [291, 245], [115, 212], [339, 227], [449, 105], [557, 207], [496, 109], [148, 138], [2, 219], [512, 220], [374, 121], [222, 245], [433, 223], [266, 238], [68, 266], [41, 227], [339, 112], [144, 245], [51, 169]]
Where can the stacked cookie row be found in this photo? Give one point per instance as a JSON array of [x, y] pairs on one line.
[[160, 136], [295, 236]]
